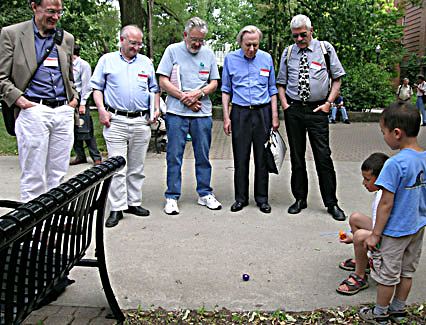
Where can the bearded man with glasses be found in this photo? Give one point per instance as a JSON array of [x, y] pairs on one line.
[[188, 72], [309, 81], [36, 80]]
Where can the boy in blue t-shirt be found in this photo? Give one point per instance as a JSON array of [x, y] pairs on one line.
[[397, 237]]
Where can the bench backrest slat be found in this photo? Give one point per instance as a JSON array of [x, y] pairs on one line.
[[42, 240]]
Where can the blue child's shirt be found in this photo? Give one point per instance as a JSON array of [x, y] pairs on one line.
[[405, 175]]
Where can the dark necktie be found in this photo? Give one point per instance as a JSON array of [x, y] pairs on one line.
[[303, 85]]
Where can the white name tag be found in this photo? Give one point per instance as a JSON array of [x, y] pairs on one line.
[[142, 77], [51, 62], [264, 72], [316, 65]]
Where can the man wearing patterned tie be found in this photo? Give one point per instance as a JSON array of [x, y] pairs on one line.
[[308, 81]]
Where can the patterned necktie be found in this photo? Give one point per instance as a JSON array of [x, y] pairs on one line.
[[303, 85]]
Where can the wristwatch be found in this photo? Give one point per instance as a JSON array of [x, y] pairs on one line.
[[203, 94]]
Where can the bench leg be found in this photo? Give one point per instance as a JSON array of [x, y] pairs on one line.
[[109, 293]]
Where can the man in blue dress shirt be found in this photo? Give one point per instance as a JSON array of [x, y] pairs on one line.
[[248, 81], [122, 83], [36, 79]]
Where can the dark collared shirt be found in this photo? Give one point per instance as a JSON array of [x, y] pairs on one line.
[[47, 83]]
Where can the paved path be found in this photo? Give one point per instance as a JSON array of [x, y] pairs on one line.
[[197, 258]]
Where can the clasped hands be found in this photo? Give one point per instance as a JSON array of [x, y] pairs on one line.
[[191, 99]]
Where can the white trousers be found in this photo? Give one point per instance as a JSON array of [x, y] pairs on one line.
[[45, 138], [127, 137]]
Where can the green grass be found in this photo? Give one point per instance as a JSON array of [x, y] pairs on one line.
[[8, 146], [8, 143]]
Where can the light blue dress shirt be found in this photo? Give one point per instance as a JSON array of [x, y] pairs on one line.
[[125, 84], [249, 81], [82, 73]]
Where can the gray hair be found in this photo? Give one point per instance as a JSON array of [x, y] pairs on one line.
[[197, 23], [250, 29], [406, 79], [125, 30], [300, 21], [37, 2]]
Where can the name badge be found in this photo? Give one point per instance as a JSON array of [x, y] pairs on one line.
[[142, 77], [316, 65], [264, 72], [51, 62], [203, 73]]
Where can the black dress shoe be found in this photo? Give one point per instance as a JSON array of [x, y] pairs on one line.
[[264, 207], [114, 218], [237, 206], [139, 211], [297, 206], [336, 213], [78, 161]]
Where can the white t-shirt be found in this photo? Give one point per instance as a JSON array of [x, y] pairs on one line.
[[421, 86], [377, 197]]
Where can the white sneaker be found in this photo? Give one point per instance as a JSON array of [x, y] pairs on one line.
[[171, 207], [210, 202]]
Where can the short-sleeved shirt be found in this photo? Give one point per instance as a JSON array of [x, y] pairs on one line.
[[249, 81], [126, 84], [319, 79], [405, 175], [423, 87], [196, 71], [338, 100]]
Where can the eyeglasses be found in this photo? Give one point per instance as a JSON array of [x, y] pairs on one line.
[[197, 40], [135, 43], [53, 12], [302, 34]]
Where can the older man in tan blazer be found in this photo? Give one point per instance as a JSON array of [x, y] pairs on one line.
[[36, 79]]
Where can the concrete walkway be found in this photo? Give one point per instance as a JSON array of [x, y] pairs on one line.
[[197, 258]]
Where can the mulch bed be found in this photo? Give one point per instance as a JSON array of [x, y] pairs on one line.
[[417, 315]]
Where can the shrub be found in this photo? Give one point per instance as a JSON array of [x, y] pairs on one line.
[[367, 86]]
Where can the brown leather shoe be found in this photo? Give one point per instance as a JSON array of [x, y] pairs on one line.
[[77, 161], [97, 162]]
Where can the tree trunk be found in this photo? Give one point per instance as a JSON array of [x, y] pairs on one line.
[[150, 32], [132, 13]]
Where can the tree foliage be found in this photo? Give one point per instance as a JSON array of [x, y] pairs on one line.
[[354, 27], [94, 23]]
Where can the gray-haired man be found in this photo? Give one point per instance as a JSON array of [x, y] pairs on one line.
[[188, 73], [304, 82]]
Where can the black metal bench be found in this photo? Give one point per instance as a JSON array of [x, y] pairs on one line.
[[42, 240]]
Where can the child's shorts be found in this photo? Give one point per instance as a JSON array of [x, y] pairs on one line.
[[398, 257]]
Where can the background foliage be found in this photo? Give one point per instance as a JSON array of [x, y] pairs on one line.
[[354, 27]]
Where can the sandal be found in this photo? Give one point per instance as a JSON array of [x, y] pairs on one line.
[[349, 265], [353, 288]]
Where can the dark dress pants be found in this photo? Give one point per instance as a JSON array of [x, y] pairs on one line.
[[250, 126], [300, 119], [90, 141]]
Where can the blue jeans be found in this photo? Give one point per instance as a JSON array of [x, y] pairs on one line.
[[421, 107], [200, 129], [342, 111]]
